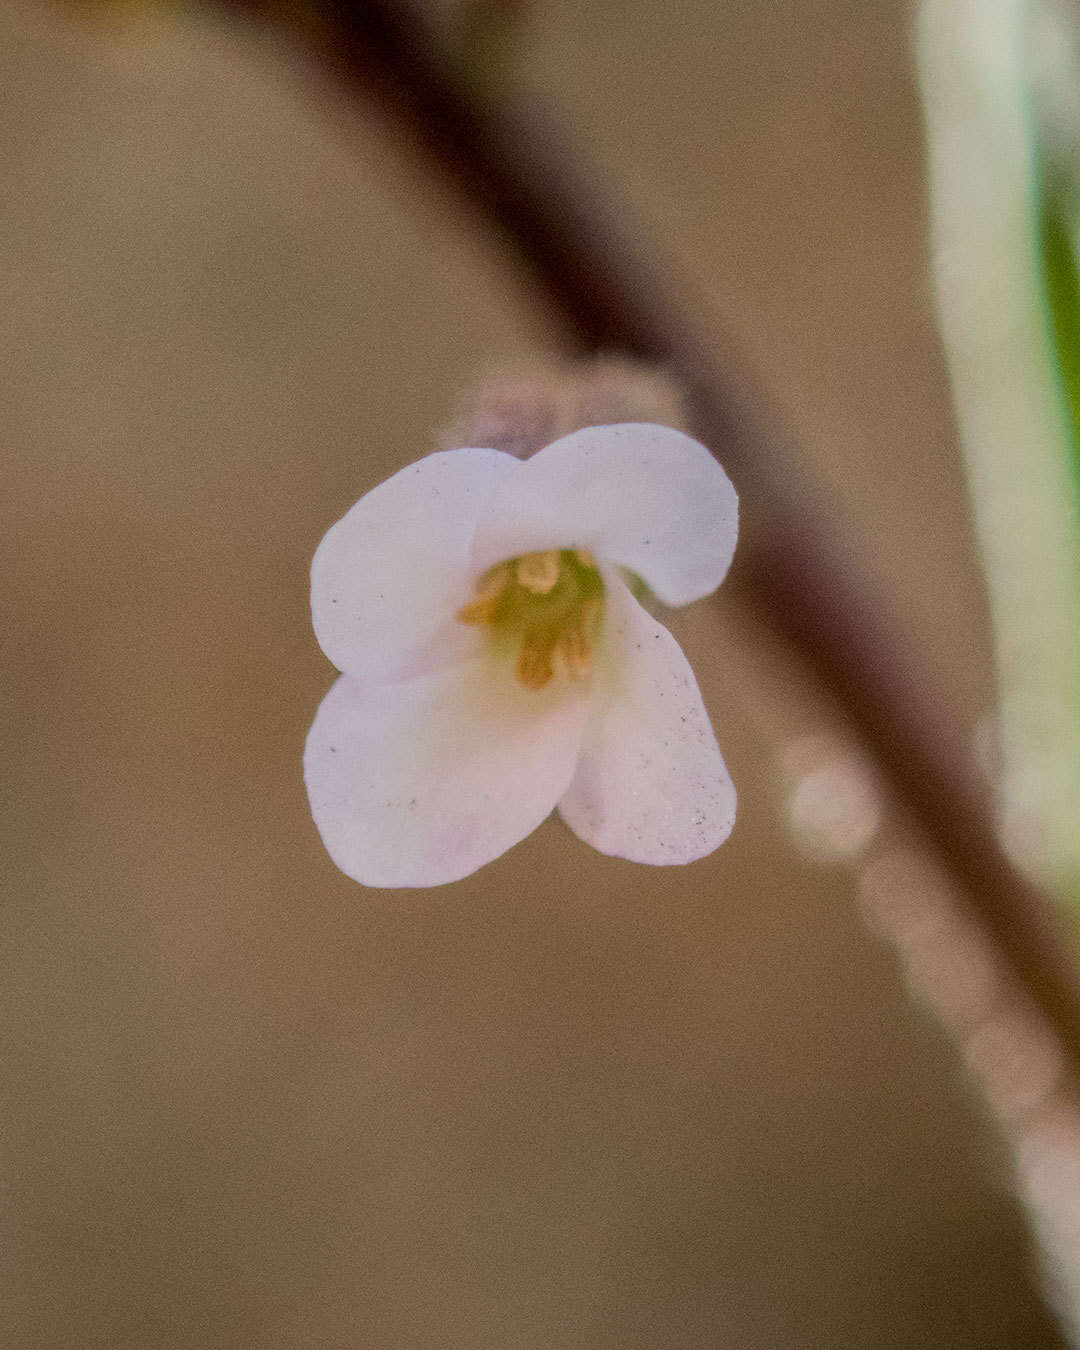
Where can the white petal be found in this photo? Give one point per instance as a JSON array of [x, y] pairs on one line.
[[643, 496], [389, 577], [651, 784], [421, 782]]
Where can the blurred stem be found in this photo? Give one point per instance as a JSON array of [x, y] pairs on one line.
[[516, 168], [1062, 286], [1061, 283]]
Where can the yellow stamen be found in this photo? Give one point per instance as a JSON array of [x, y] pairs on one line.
[[574, 653], [574, 648], [538, 572], [479, 611], [591, 611], [489, 591], [534, 664]]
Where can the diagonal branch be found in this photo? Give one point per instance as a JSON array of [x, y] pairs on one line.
[[515, 166]]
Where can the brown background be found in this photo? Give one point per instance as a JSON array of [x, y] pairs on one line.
[[568, 1102]]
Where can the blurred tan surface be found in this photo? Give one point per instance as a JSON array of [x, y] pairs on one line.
[[568, 1102]]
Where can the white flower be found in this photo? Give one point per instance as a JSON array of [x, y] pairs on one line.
[[496, 664]]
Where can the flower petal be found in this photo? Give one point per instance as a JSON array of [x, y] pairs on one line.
[[646, 497], [421, 782], [389, 577], [651, 784]]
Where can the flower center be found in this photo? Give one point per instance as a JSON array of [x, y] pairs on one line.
[[549, 604]]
